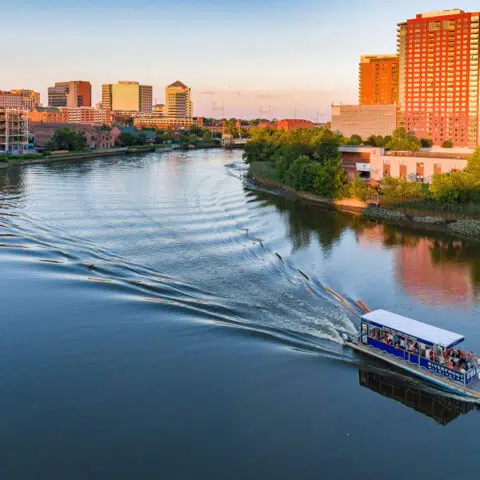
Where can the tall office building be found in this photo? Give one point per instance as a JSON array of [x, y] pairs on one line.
[[146, 98], [70, 94], [127, 97], [107, 96], [438, 76], [378, 80], [177, 101]]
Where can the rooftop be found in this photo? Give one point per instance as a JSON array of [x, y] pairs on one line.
[[379, 57], [178, 84], [440, 13], [418, 330]]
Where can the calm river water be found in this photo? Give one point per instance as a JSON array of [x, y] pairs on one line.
[[155, 324]]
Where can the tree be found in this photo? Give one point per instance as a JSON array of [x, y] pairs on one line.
[[403, 141], [196, 130], [355, 140], [455, 187], [330, 179], [447, 144], [67, 139], [375, 141], [397, 189], [426, 142], [473, 165], [127, 139]]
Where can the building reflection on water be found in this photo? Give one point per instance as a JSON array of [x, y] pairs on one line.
[[440, 408], [432, 270], [423, 274]]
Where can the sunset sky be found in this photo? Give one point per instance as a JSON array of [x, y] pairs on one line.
[[278, 56]]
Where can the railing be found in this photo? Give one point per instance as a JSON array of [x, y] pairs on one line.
[[413, 359]]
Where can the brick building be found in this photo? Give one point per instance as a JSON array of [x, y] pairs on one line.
[[438, 75], [95, 137], [292, 124], [88, 115]]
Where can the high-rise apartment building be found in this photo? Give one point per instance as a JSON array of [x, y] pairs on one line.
[[438, 76], [22, 99], [70, 94], [177, 101], [378, 80], [127, 97]]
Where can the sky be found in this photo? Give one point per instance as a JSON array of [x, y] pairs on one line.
[[268, 58]]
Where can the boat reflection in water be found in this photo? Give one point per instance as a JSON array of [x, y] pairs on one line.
[[441, 408]]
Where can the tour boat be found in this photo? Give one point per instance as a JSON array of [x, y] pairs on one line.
[[423, 350]]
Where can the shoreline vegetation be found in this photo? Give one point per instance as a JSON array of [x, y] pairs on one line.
[[68, 144], [306, 164], [459, 228]]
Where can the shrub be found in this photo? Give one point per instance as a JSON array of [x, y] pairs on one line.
[[358, 189], [397, 189], [455, 187], [447, 144]]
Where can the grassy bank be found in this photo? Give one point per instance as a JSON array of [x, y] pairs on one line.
[[463, 223]]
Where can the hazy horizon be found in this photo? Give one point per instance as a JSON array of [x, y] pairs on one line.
[[269, 59]]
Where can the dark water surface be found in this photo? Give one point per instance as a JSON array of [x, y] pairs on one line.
[[193, 346]]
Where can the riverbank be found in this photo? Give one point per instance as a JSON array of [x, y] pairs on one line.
[[64, 157], [88, 155], [466, 228]]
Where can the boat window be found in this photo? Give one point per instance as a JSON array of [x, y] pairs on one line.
[[426, 351], [400, 342], [374, 332], [438, 355], [387, 337], [412, 346]]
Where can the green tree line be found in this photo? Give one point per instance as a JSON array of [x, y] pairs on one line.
[[305, 159]]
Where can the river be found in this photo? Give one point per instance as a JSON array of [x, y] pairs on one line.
[[163, 318]]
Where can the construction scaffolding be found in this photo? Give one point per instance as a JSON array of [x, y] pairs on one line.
[[13, 131]]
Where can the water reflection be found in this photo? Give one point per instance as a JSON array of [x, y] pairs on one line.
[[435, 269], [306, 225], [12, 181], [442, 409], [431, 269]]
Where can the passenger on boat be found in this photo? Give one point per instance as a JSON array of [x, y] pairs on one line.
[[412, 347]]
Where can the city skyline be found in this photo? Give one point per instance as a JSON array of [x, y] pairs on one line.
[[278, 59]]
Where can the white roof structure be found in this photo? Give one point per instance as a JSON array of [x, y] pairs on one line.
[[416, 329]]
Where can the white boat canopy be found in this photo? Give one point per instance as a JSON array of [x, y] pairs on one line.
[[413, 328]]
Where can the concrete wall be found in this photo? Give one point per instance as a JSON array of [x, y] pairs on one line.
[[364, 120]]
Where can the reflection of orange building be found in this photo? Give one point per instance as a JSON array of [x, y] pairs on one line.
[[444, 282], [421, 277]]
